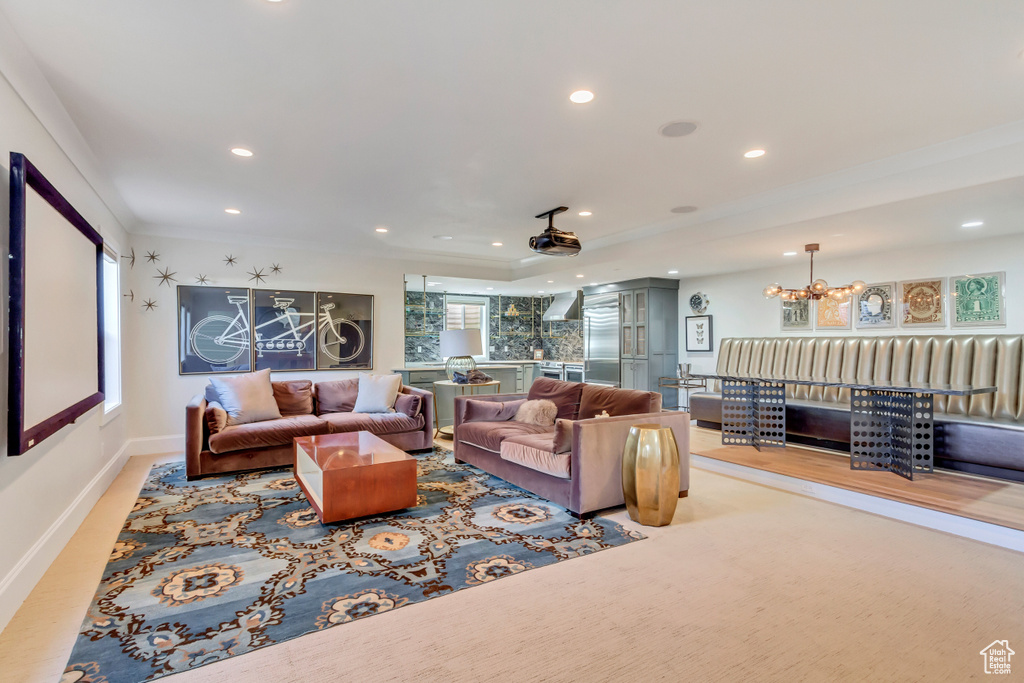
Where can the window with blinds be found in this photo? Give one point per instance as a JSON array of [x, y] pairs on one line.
[[466, 313]]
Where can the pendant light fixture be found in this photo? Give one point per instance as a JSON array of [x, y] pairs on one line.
[[818, 289]]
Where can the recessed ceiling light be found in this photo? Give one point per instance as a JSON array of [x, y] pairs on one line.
[[972, 224], [551, 282], [233, 212], [496, 244], [540, 291], [677, 129], [683, 209], [579, 275], [442, 237], [593, 284], [754, 153], [789, 253], [241, 152], [581, 96], [490, 288], [673, 272], [586, 213], [433, 284], [381, 229]]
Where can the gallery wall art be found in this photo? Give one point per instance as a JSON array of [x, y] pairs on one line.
[[345, 335], [921, 303], [699, 333], [796, 315], [213, 330], [832, 314], [284, 330], [875, 306], [978, 300]]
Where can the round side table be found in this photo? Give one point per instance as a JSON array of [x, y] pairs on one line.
[[448, 431]]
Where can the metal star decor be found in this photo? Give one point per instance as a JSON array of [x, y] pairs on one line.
[[148, 305], [230, 260], [276, 269], [131, 259], [257, 275], [130, 295], [202, 279], [165, 277], [152, 256]]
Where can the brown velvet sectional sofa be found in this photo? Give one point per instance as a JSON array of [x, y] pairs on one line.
[[307, 409], [577, 463]]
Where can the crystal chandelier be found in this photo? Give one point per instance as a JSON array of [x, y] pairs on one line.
[[818, 289]]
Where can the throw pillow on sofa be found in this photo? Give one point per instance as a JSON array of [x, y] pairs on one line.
[[377, 393], [491, 411], [409, 404], [541, 412], [247, 398], [294, 397]]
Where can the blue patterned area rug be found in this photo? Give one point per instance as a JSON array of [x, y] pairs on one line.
[[214, 568]]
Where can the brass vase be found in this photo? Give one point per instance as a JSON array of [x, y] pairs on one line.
[[650, 474]]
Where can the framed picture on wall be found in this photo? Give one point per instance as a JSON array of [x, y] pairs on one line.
[[876, 306], [284, 330], [213, 330], [796, 315], [344, 331], [832, 315], [698, 333], [921, 303], [978, 300]]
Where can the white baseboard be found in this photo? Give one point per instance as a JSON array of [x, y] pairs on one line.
[[152, 445], [23, 577], [994, 534]]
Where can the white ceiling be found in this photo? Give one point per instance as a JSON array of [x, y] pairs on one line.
[[452, 117]]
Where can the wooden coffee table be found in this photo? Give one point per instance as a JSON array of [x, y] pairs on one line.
[[353, 475]]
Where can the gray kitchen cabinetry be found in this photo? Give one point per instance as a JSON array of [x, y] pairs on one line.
[[513, 378]]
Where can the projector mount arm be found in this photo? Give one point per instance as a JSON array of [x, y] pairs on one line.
[[550, 215]]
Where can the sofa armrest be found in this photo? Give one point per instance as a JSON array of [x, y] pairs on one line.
[[460, 403], [195, 434], [426, 405], [596, 457]]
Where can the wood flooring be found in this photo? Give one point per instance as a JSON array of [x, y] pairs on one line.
[[981, 498]]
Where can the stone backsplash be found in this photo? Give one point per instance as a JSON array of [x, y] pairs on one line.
[[511, 337]]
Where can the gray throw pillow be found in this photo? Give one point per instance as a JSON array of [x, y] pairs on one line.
[[247, 398], [377, 393]]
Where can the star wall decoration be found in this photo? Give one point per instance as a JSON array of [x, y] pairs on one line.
[[152, 256], [130, 295], [257, 275], [202, 279], [165, 277], [230, 260], [276, 269], [148, 305], [131, 259]]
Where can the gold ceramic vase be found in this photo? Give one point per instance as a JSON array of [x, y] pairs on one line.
[[650, 474]]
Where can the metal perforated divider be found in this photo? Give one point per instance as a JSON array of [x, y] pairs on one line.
[[753, 414], [892, 431]]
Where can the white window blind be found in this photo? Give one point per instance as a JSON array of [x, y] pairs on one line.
[[464, 316]]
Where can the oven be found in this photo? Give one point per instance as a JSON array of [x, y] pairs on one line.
[[551, 370], [573, 372]]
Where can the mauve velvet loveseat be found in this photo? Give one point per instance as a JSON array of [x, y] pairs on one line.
[[578, 462], [306, 410]]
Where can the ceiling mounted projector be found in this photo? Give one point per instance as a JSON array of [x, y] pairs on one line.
[[555, 242]]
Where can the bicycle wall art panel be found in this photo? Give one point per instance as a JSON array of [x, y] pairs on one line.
[[284, 330], [213, 330], [345, 334]]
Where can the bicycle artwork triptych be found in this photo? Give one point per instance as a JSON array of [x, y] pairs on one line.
[[239, 330]]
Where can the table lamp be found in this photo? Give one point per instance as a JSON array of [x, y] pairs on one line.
[[459, 347]]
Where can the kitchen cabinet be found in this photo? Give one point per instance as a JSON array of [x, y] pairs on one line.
[[514, 378]]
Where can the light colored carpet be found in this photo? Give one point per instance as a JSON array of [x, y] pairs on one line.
[[748, 583]]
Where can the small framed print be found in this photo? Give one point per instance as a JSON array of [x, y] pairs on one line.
[[921, 303], [978, 300], [832, 314], [538, 354], [698, 333], [796, 315], [876, 306]]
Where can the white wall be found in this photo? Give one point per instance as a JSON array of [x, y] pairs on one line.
[[46, 493], [739, 309], [155, 395]]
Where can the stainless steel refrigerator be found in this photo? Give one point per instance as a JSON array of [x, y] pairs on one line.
[[601, 339]]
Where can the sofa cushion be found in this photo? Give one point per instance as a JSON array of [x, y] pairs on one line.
[[489, 435], [216, 417], [375, 423], [595, 399], [279, 432], [408, 404], [247, 398], [563, 436], [338, 396], [536, 452], [294, 397], [377, 393], [539, 412], [565, 395], [491, 411]]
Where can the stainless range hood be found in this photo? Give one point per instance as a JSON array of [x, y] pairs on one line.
[[566, 306]]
